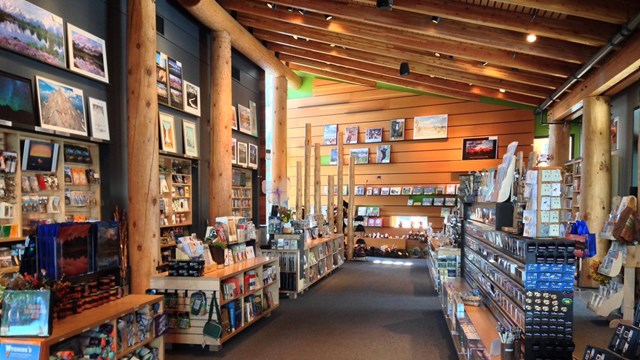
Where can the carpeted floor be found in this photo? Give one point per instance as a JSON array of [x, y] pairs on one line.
[[363, 311]]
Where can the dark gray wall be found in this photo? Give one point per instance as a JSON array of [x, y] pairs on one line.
[[623, 105]]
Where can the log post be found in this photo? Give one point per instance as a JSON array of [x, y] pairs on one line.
[[220, 131], [142, 152], [595, 192], [279, 150], [352, 207], [307, 169], [299, 190], [330, 203], [340, 201], [559, 151], [317, 182]]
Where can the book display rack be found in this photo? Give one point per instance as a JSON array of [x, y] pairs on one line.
[[241, 198]]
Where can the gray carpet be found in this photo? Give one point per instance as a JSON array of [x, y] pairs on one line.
[[363, 311]]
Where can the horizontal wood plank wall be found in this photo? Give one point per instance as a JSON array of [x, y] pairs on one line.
[[413, 162]]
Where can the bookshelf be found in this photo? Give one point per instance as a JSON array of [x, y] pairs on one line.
[[571, 188], [176, 187], [242, 193], [256, 282]]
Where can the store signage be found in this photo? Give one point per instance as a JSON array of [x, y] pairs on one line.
[[17, 351]]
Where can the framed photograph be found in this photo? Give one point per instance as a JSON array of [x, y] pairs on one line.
[[351, 135], [614, 132], [244, 119], [373, 135], [87, 54], [175, 83], [369, 191], [383, 154], [242, 154], [16, 102], [439, 190], [167, 133], [61, 107], [406, 190], [479, 148], [376, 191], [331, 134], [190, 135], [191, 98], [99, 119], [108, 246], [359, 190], [427, 201], [438, 201], [450, 189], [429, 190], [396, 190], [397, 130], [384, 191], [450, 201], [234, 118], [32, 31], [253, 156], [26, 313], [333, 156], [362, 155], [253, 108], [417, 190], [162, 78], [430, 127], [234, 151]]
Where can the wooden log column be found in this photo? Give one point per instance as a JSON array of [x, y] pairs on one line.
[[142, 149], [352, 207], [595, 195], [317, 182], [340, 170], [279, 147], [330, 203], [559, 142], [299, 190], [220, 130], [307, 169]]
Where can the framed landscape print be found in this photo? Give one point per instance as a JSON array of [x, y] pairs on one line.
[[191, 98], [361, 155], [234, 118], [234, 151], [330, 134], [162, 78], [61, 107], [87, 54], [333, 156], [253, 156], [396, 130], [244, 119], [430, 127], [32, 31], [242, 154], [373, 135], [253, 108], [16, 100], [479, 148], [175, 83], [99, 119], [383, 154], [167, 133], [189, 133], [351, 135]]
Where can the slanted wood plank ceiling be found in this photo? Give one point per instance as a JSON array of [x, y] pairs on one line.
[[477, 48]]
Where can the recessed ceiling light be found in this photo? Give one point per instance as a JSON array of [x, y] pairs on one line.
[[333, 45], [290, 9], [531, 38], [503, 90], [271, 5], [437, 54], [328, 17]]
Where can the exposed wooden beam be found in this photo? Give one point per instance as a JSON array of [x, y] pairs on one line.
[[615, 69], [272, 20], [333, 76], [584, 31], [612, 11], [346, 15], [212, 15], [416, 68], [371, 50]]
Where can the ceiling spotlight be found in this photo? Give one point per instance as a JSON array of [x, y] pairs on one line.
[[271, 5], [384, 4], [470, 84], [333, 45], [435, 19], [404, 69], [328, 17], [531, 38], [485, 63], [290, 9], [437, 54], [302, 11], [306, 39], [503, 90], [295, 37]]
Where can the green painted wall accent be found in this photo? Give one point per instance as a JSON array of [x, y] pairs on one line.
[[542, 130], [305, 90], [488, 100], [386, 86]]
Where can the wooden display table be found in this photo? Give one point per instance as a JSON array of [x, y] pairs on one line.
[[263, 289], [71, 326]]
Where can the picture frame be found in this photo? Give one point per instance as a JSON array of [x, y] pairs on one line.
[[52, 95], [438, 201], [351, 135], [190, 136], [31, 44], [361, 155], [234, 151], [430, 127], [242, 154], [167, 133], [383, 154], [162, 78], [396, 132], [395, 190], [191, 98], [406, 190], [376, 191], [429, 190], [87, 54], [234, 118], [330, 135], [480, 148], [417, 190], [373, 135], [253, 156], [99, 119], [359, 190], [450, 201], [176, 86], [253, 108], [17, 105], [427, 201], [27, 313], [244, 119], [333, 156]]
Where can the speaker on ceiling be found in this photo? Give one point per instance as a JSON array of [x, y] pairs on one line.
[[384, 4], [404, 69]]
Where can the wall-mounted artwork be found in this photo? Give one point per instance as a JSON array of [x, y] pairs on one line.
[[108, 246], [242, 154], [87, 54], [162, 78], [32, 31], [396, 190], [361, 155], [61, 107], [351, 135], [373, 135], [244, 119], [331, 134], [99, 119], [333, 157], [191, 98], [479, 148], [430, 127], [16, 100], [167, 133], [234, 151], [253, 108], [253, 156], [175, 83], [189, 134], [383, 154], [396, 130], [234, 118]]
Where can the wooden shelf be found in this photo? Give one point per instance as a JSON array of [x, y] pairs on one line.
[[174, 225], [9, 270], [11, 239], [134, 347]]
